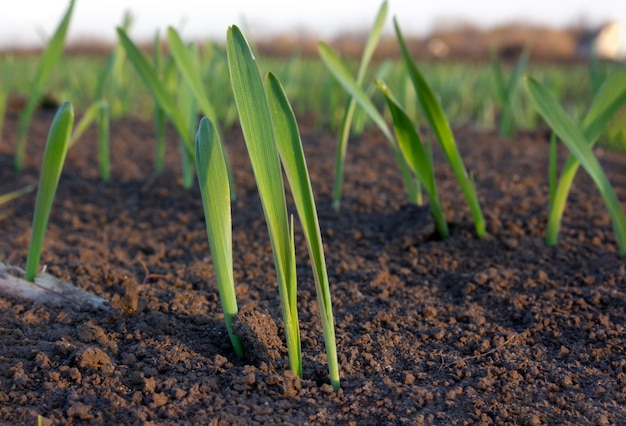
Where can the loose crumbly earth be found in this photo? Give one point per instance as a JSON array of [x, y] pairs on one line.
[[503, 330]]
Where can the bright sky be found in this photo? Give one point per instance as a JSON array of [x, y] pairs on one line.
[[23, 21]]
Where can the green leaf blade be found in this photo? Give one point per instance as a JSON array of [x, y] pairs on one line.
[[90, 115], [610, 97], [257, 127], [290, 150], [5, 198], [439, 124], [342, 74], [49, 59], [498, 76], [104, 140], [190, 73], [506, 125], [214, 189], [416, 157], [574, 139], [189, 69], [372, 41], [346, 122], [149, 76], [53, 159]]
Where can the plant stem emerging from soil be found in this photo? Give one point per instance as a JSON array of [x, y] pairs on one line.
[[53, 159]]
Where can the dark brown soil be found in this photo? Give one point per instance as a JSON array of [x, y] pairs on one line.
[[503, 330]]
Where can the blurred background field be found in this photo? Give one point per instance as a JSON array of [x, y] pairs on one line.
[[454, 56]]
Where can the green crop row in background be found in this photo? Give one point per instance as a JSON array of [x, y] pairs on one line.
[[467, 90]]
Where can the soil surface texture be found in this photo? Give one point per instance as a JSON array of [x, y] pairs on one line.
[[500, 330]]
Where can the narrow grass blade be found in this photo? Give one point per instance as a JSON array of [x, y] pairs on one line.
[[4, 96], [114, 68], [506, 124], [573, 137], [596, 73], [190, 70], [498, 76], [53, 159], [360, 118], [213, 181], [119, 71], [149, 75], [257, 127], [90, 115], [104, 76], [372, 40], [160, 120], [294, 163], [5, 198], [292, 287], [97, 112], [416, 156], [104, 140], [346, 122], [552, 168], [188, 108], [50, 57], [190, 73], [440, 126], [160, 128], [609, 98], [341, 72]]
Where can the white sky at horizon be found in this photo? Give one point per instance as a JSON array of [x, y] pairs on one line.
[[23, 22]]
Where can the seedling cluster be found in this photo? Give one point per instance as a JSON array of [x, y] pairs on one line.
[[182, 88]]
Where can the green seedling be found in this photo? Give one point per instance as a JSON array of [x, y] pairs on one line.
[[98, 112], [160, 130], [4, 96], [340, 71], [346, 122], [50, 57], [597, 73], [258, 131], [416, 156], [160, 120], [53, 159], [506, 91], [292, 157], [553, 173], [214, 187], [578, 140], [188, 107], [187, 61], [360, 117], [610, 97], [438, 122], [148, 73], [216, 71], [112, 78], [615, 129], [104, 138], [271, 133], [118, 69]]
